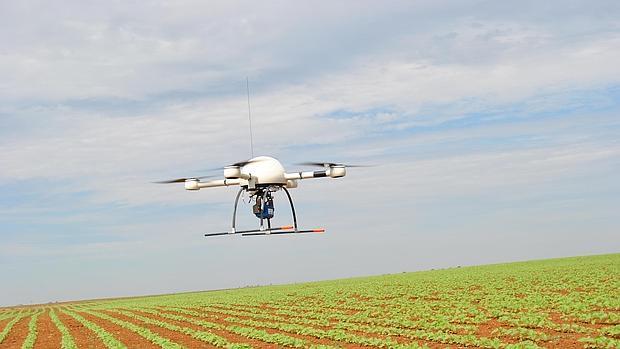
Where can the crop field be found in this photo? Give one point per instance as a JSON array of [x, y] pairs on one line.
[[558, 303]]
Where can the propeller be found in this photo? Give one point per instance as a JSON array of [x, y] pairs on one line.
[[328, 164], [180, 180], [237, 164], [241, 163]]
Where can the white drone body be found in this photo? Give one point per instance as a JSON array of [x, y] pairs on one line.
[[263, 171], [260, 177]]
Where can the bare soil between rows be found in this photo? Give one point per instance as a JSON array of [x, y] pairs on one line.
[[17, 335], [83, 337], [48, 334]]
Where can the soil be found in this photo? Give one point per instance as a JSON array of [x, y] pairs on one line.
[[83, 337], [231, 337], [560, 340], [48, 336], [565, 341], [127, 337], [17, 335], [177, 337], [3, 323], [486, 329], [219, 319]]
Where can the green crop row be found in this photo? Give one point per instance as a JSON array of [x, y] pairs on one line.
[[534, 303], [9, 314], [204, 336], [522, 334], [307, 326], [32, 332], [336, 335], [601, 342], [279, 339], [108, 340], [9, 326], [67, 341], [143, 332]]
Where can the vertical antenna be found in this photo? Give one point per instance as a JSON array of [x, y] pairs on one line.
[[247, 85]]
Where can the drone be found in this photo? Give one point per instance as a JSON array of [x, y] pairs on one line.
[[261, 177]]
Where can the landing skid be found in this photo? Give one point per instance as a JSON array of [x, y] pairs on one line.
[[271, 232], [258, 232], [289, 229]]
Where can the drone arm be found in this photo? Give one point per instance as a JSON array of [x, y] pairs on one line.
[[219, 183], [305, 175], [333, 172], [196, 185]]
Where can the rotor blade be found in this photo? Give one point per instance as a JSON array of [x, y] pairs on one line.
[[237, 164], [240, 163], [317, 164], [180, 180], [243, 163], [328, 164]]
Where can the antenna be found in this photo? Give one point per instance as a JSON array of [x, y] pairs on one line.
[[247, 85]]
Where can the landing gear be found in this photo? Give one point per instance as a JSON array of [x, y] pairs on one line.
[[264, 210]]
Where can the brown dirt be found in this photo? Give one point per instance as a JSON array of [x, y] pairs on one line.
[[361, 298], [566, 341], [231, 337], [486, 329], [262, 306], [556, 317], [316, 340], [286, 318], [310, 339], [3, 323], [17, 335], [219, 319], [560, 340], [216, 316], [83, 337], [267, 306], [127, 337], [177, 337], [48, 335]]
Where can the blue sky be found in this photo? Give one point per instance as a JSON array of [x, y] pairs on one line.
[[495, 126]]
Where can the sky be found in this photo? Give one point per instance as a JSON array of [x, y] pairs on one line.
[[494, 128]]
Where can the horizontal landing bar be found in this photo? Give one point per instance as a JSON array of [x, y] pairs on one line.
[[286, 227], [285, 232], [274, 231]]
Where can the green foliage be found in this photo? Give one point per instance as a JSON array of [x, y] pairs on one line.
[[601, 342], [200, 335], [109, 340], [32, 332], [518, 305], [16, 317], [67, 341], [144, 332]]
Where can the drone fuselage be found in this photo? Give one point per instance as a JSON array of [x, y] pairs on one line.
[[260, 177], [263, 171]]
